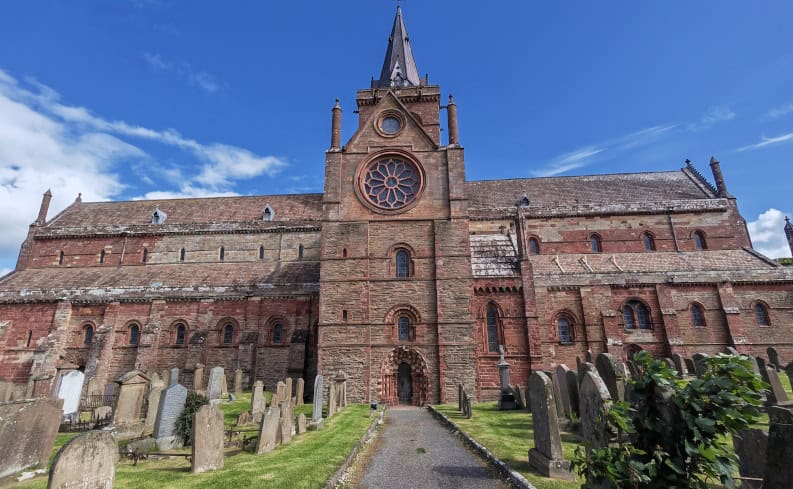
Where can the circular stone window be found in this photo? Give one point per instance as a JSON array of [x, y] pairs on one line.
[[390, 124], [391, 182]]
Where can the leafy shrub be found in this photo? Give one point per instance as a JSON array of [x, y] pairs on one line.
[[674, 433], [184, 423]]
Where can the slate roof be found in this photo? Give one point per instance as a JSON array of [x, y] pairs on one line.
[[399, 65], [493, 255]]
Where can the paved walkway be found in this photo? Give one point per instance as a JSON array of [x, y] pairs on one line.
[[415, 451]]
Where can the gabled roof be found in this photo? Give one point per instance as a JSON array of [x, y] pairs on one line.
[[399, 66]]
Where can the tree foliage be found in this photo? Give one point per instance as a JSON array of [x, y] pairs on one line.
[[674, 433], [184, 423]]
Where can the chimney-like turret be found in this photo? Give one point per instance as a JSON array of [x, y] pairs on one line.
[[721, 187], [45, 206], [789, 234], [451, 112], [335, 133]]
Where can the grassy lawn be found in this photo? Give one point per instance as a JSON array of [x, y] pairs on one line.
[[307, 462]]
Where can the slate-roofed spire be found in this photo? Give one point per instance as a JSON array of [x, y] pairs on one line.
[[399, 67], [789, 233]]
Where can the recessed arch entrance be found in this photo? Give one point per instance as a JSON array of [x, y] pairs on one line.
[[404, 378]]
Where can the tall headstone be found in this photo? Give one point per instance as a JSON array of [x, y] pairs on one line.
[[789, 372], [341, 389], [217, 377], [506, 400], [571, 378], [776, 394], [238, 382], [595, 400], [172, 402], [460, 397], [680, 364], [93, 388], [70, 390], [332, 397], [198, 377], [280, 393], [750, 446], [288, 389], [546, 456], [287, 421], [132, 388], [87, 461], [166, 377], [224, 385], [301, 423], [612, 374], [520, 400], [258, 401], [173, 378], [557, 396], [690, 366], [762, 366], [779, 455], [316, 412], [699, 363], [299, 391], [561, 385], [27, 433], [773, 357], [268, 430], [207, 439], [153, 403], [588, 356]]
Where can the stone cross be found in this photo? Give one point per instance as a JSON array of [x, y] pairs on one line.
[[258, 401], [779, 455], [208, 439], [86, 461], [546, 456]]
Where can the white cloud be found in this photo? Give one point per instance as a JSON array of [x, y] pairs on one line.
[[714, 115], [200, 79], [780, 111], [768, 235], [768, 142], [185, 191]]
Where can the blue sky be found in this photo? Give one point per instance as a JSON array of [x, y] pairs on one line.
[[160, 98]]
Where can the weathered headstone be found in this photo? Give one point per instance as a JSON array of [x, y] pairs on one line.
[[243, 418], [215, 385], [280, 392], [288, 389], [287, 422], [166, 377], [268, 430], [341, 390], [301, 423], [690, 366], [460, 397], [750, 446], [561, 385], [154, 378], [595, 400], [519, 399], [153, 404], [557, 395], [224, 385], [612, 374], [70, 390], [588, 356], [87, 461], [763, 371], [132, 388], [198, 377], [776, 394], [316, 412], [27, 433], [789, 372], [258, 401], [669, 363], [506, 400], [699, 363], [102, 413], [207, 439], [299, 394], [731, 351], [468, 408], [172, 401], [238, 382], [173, 378], [332, 396], [773, 357], [778, 472], [571, 378], [546, 456], [680, 364], [93, 388]]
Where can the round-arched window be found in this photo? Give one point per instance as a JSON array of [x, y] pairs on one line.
[[134, 335], [402, 263], [391, 182], [228, 334], [181, 332], [565, 328], [88, 335], [699, 241], [278, 334], [403, 328]]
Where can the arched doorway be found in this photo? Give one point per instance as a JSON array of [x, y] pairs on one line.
[[404, 384], [404, 378]]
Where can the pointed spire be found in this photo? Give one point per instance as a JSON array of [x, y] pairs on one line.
[[399, 66]]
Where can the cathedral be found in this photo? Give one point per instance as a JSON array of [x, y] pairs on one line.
[[402, 274]]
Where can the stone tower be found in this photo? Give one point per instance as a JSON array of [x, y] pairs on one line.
[[395, 269], [789, 234]]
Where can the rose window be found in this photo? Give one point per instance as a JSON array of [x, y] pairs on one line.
[[391, 183]]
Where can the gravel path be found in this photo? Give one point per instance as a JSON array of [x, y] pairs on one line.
[[415, 451]]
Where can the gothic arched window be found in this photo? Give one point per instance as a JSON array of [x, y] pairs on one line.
[[181, 332], [228, 334], [492, 328], [636, 314], [534, 246], [565, 328], [761, 314], [402, 259], [699, 241], [134, 334], [697, 315], [88, 334], [595, 243], [649, 241]]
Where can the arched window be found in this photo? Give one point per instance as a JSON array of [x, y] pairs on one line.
[[278, 334], [228, 334], [101, 257], [181, 332], [60, 258], [761, 314], [30, 338], [649, 241], [88, 334], [403, 328], [145, 255], [565, 327], [344, 315], [300, 252], [181, 254], [402, 259], [222, 253], [344, 253], [492, 328], [534, 246], [635, 314], [134, 334], [595, 243], [699, 241], [268, 213], [261, 252], [697, 315]]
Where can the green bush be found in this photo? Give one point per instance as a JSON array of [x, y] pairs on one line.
[[184, 423], [674, 433]]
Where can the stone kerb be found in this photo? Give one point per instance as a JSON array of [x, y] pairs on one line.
[[546, 456], [27, 433], [87, 461], [208, 439], [595, 401]]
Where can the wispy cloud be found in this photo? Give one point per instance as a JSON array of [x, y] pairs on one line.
[[768, 236], [197, 78], [780, 111], [714, 115], [765, 141]]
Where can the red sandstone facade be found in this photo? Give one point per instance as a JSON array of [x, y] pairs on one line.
[[409, 298]]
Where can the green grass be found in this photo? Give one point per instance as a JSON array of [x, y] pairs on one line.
[[509, 435], [306, 462], [231, 410]]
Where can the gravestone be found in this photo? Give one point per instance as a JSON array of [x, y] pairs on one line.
[[690, 366], [763, 371], [584, 368], [595, 400], [153, 404], [519, 399], [215, 385], [755, 366], [258, 401], [669, 363], [166, 376], [316, 412], [198, 377], [132, 388], [332, 399], [699, 363], [172, 401], [560, 379], [224, 385], [243, 418], [173, 378], [341, 389], [154, 377], [301, 423], [268, 430], [287, 422], [776, 394], [731, 351], [750, 446], [70, 390], [238, 382], [557, 395], [301, 385], [93, 388], [280, 393], [789, 372], [207, 439], [680, 364], [612, 374], [468, 408], [571, 378], [87, 461], [773, 358], [633, 369], [288, 389], [460, 397], [506, 400], [778, 472], [102, 413], [546, 456], [588, 356], [27, 433]]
